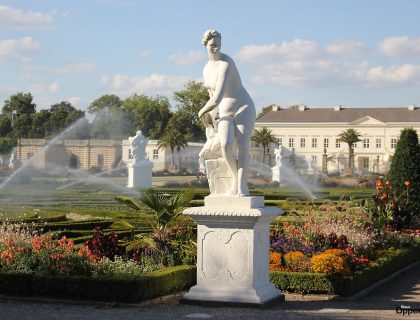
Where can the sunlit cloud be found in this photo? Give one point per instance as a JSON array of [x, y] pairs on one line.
[[186, 58], [18, 49], [44, 88], [346, 47], [400, 47], [75, 68], [17, 19], [342, 63], [152, 84]]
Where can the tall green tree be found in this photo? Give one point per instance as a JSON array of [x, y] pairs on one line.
[[189, 102], [22, 103], [5, 125], [150, 115], [115, 123], [405, 166], [39, 120], [22, 126], [172, 139], [350, 136], [264, 136], [106, 101], [62, 115]]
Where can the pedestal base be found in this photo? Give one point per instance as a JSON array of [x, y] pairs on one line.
[[140, 175], [232, 251]]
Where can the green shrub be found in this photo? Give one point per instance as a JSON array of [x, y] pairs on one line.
[[146, 286]]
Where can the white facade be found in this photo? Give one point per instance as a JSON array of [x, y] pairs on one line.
[[187, 158], [307, 140]]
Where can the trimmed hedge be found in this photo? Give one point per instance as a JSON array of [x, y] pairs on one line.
[[34, 217], [72, 225], [149, 286], [307, 282]]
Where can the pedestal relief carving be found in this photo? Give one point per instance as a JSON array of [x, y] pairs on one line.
[[232, 245]]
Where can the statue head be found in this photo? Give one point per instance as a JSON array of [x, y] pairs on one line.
[[210, 34]]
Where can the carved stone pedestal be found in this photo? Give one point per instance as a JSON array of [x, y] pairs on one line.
[[232, 251], [140, 174]]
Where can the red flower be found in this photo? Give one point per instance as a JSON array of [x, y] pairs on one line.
[[384, 197], [388, 184], [379, 184], [407, 183]]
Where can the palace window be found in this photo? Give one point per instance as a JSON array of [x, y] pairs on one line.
[[366, 143], [378, 143], [280, 140], [326, 142], [313, 158], [155, 153], [393, 143], [291, 143], [337, 143], [130, 154], [302, 142], [314, 142]]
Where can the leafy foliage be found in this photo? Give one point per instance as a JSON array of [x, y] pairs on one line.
[[172, 139], [190, 101], [19, 102], [405, 166], [350, 136], [265, 137], [150, 115]]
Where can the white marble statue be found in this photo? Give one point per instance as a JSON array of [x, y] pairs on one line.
[[236, 111], [138, 147], [278, 152]]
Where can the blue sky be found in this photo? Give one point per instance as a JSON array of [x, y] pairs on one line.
[[320, 53]]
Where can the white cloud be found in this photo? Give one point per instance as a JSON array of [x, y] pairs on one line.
[[75, 68], [16, 19], [153, 84], [398, 74], [13, 49], [144, 54], [400, 47], [75, 101], [186, 58], [53, 87], [297, 48], [43, 88], [305, 64], [346, 47]]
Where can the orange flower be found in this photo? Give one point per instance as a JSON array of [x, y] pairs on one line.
[[275, 261], [379, 184], [407, 183], [384, 197], [388, 184], [8, 256], [36, 243]]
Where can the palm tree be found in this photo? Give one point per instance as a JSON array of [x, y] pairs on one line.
[[350, 136], [264, 136], [172, 139], [163, 206]]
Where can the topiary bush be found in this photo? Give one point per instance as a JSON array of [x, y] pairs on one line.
[[405, 166]]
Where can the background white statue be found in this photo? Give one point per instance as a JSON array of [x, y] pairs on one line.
[[138, 147], [278, 152], [236, 110]]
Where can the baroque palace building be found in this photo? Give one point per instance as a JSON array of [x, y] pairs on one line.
[[309, 136], [102, 155]]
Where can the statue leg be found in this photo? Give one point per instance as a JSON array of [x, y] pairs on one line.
[[226, 136], [244, 125]]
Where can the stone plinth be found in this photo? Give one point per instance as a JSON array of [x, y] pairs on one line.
[[276, 174], [218, 175], [140, 174], [233, 251]]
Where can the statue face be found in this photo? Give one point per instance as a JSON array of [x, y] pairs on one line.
[[213, 46]]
